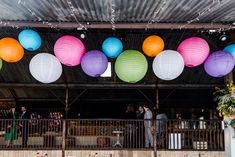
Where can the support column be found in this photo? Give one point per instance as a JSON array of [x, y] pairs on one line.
[[228, 131], [64, 122]]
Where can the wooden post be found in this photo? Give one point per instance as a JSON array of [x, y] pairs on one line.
[[64, 122], [228, 131]]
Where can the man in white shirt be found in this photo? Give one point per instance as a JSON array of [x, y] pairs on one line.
[[148, 116]]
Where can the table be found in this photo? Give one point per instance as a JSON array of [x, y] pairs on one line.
[[118, 143]]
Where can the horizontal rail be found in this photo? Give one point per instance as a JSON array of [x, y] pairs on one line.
[[112, 134]]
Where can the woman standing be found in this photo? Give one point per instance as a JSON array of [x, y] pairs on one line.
[[11, 131]]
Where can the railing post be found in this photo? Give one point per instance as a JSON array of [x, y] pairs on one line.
[[155, 138], [63, 138]]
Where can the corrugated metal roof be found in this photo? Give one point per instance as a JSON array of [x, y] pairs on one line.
[[125, 10]]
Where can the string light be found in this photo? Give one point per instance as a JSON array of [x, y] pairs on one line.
[[22, 3], [74, 11], [155, 18], [203, 13], [112, 20]]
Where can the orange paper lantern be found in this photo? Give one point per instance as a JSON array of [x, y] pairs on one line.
[[10, 50], [153, 45]]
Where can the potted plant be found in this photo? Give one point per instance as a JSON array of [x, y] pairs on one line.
[[225, 99]]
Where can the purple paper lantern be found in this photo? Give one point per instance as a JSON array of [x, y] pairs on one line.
[[219, 64], [94, 63]]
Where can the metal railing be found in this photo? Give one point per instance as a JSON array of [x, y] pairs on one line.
[[112, 134]]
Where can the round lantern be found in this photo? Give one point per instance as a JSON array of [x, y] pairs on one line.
[[168, 65], [94, 63], [0, 64], [194, 51], [30, 39], [112, 47], [69, 50], [45, 68], [230, 49], [10, 50], [131, 66], [219, 64], [153, 45]]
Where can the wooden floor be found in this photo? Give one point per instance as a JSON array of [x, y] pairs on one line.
[[98, 153]]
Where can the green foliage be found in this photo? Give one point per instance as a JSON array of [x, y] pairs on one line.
[[225, 100]]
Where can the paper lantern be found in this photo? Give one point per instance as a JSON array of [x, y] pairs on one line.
[[0, 64], [69, 50], [94, 63], [10, 50], [45, 68], [153, 45], [219, 64], [194, 51], [230, 49], [131, 66], [30, 39], [168, 65], [112, 47]]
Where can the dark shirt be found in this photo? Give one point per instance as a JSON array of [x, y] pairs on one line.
[[130, 115], [140, 115]]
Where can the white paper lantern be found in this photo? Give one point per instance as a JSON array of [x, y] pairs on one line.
[[45, 68], [168, 65]]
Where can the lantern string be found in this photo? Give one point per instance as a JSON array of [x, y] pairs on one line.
[[155, 17], [214, 4], [113, 16], [23, 3], [74, 12]]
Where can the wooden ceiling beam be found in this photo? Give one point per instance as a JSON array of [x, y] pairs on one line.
[[90, 25]]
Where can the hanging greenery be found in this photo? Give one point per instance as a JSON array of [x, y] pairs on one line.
[[225, 99]]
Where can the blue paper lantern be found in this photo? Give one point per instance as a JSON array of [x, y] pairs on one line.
[[230, 49], [112, 47], [30, 39]]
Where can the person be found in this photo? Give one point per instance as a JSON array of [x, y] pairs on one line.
[[140, 127], [161, 127], [129, 134], [147, 126], [140, 112], [161, 122], [24, 126], [11, 131]]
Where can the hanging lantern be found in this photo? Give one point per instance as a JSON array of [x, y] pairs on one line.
[[10, 50], [194, 51], [94, 63], [219, 64], [153, 45], [230, 49], [168, 65], [112, 47], [1, 64], [69, 50], [131, 66], [45, 68], [30, 39]]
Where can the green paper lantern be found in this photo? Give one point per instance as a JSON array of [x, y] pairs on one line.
[[131, 66], [0, 64]]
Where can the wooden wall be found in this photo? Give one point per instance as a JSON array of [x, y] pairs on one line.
[[120, 153]]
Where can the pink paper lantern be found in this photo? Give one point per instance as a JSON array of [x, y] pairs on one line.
[[69, 50], [194, 51]]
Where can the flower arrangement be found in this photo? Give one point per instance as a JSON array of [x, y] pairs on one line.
[[225, 99]]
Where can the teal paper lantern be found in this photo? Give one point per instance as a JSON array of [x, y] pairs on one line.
[[30, 39], [131, 66], [230, 49], [112, 47]]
